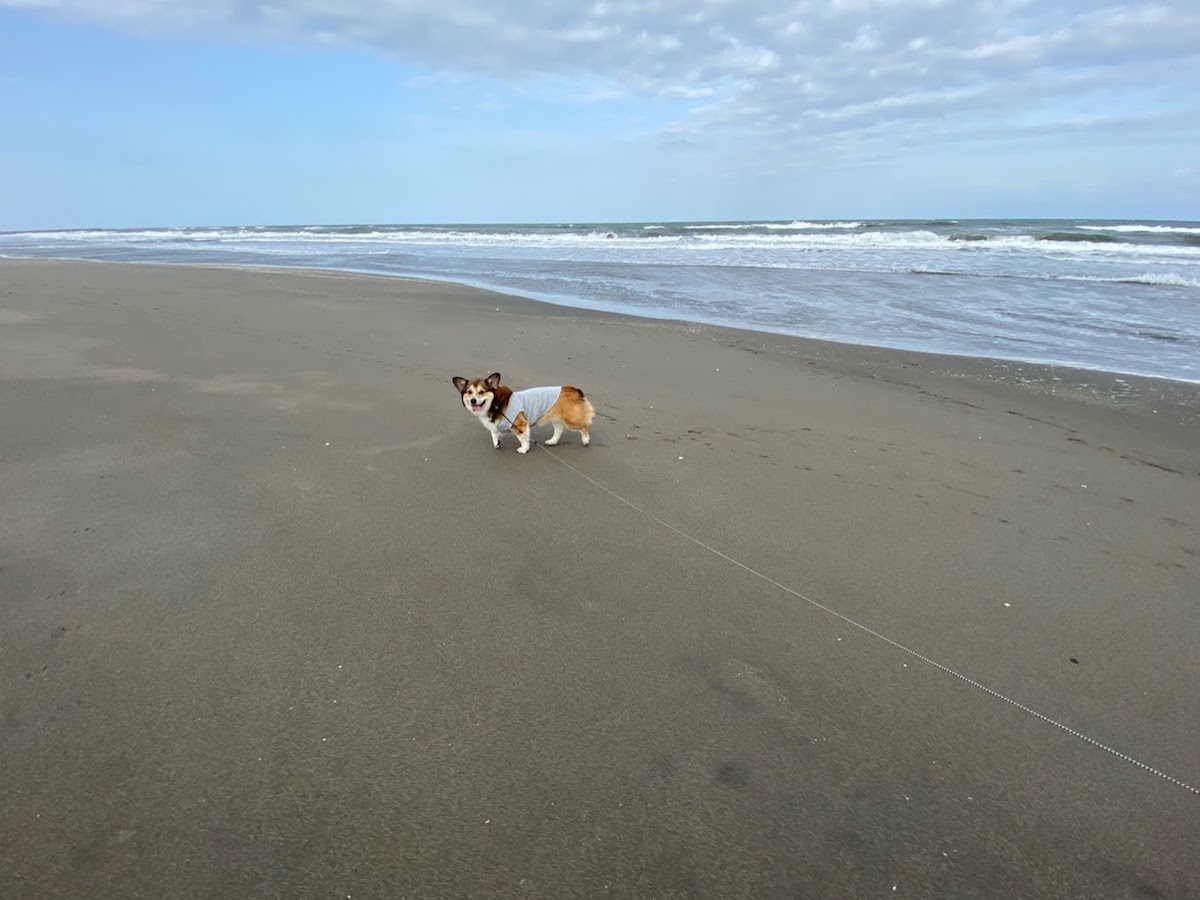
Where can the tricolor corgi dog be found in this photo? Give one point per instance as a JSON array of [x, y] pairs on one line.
[[502, 409]]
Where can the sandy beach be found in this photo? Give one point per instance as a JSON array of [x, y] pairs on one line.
[[278, 622]]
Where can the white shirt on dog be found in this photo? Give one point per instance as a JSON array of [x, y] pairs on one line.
[[534, 402]]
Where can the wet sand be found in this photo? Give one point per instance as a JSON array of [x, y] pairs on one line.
[[278, 621]]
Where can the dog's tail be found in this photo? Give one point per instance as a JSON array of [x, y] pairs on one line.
[[585, 412]]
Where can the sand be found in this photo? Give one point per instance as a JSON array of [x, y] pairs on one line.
[[278, 621]]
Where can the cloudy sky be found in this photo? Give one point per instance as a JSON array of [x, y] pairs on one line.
[[188, 112]]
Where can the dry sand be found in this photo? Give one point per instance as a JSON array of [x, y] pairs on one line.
[[278, 621]]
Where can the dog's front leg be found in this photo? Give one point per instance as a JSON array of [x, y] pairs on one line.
[[495, 433], [520, 427]]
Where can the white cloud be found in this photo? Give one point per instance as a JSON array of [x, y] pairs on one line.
[[814, 76]]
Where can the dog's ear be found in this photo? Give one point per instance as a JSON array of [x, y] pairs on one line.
[[460, 383], [493, 380]]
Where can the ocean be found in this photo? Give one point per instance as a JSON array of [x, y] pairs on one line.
[[1115, 296]]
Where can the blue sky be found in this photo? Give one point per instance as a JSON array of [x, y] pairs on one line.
[[192, 112]]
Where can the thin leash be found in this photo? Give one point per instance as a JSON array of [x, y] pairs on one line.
[[876, 634]]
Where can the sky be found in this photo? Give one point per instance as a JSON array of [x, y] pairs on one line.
[[128, 113]]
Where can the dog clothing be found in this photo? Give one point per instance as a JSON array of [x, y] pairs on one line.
[[534, 402]]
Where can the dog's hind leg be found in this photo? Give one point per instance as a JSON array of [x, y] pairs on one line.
[[558, 432], [584, 436]]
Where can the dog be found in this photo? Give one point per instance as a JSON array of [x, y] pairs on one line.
[[502, 409]]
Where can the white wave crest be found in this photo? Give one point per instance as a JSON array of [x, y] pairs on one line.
[[1147, 229], [773, 226], [1166, 280], [1150, 278]]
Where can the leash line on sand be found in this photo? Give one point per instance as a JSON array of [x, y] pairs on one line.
[[876, 634]]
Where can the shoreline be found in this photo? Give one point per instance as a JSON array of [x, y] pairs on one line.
[[1166, 406], [278, 620], [1044, 367]]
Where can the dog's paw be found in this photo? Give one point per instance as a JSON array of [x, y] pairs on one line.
[[523, 449]]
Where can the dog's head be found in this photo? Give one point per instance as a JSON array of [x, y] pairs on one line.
[[478, 393]]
